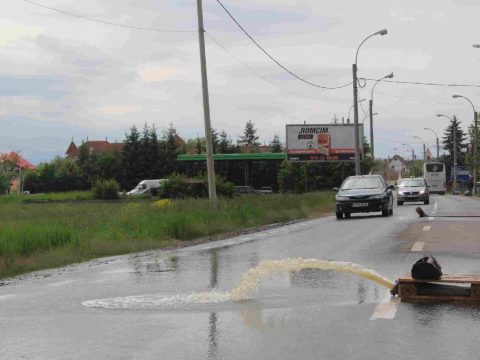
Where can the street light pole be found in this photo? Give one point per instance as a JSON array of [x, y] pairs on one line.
[[350, 110], [355, 103], [436, 136], [418, 137], [475, 136], [370, 104]]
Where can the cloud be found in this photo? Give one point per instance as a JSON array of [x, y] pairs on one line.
[[12, 31], [118, 109], [154, 73]]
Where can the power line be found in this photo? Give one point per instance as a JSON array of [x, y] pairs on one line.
[[276, 61], [106, 22], [254, 71], [425, 83]]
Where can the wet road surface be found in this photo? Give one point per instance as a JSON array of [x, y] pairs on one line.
[[149, 307]]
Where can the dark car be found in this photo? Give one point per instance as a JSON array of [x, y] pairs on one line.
[[413, 189], [364, 194]]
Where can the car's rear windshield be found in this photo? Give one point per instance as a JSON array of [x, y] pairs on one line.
[[413, 183], [362, 183]]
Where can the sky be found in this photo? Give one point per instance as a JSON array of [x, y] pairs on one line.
[[64, 77]]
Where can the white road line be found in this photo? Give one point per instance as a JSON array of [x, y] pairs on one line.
[[5, 297], [418, 246], [431, 218], [426, 228], [387, 309]]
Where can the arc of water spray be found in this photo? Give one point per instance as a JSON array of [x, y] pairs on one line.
[[251, 279]]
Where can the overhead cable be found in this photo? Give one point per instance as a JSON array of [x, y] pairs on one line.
[[427, 83], [107, 22], [276, 61], [264, 78]]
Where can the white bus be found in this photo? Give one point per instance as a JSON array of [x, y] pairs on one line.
[[435, 176]]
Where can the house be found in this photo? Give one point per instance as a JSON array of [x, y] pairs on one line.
[[95, 146], [15, 167], [428, 155], [101, 146], [396, 167], [17, 161]]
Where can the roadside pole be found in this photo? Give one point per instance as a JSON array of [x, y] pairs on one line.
[[212, 192]]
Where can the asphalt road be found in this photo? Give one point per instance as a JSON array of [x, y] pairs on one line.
[[145, 306]]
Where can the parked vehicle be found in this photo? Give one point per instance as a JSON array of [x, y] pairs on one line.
[[264, 190], [245, 190], [145, 186], [413, 189], [364, 194]]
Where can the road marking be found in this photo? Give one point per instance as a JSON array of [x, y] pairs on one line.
[[387, 309], [426, 228], [418, 246], [5, 297], [431, 218]]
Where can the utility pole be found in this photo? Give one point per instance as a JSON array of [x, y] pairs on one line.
[[370, 106], [454, 157], [475, 114], [212, 191], [358, 170]]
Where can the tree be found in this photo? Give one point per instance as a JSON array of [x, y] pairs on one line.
[[4, 184], [448, 140], [225, 145], [170, 155], [276, 144], [249, 134], [470, 157], [131, 164]]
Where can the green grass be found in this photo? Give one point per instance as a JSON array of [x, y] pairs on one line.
[[58, 230]]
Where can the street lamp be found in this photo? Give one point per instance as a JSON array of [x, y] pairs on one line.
[[436, 136], [475, 135], [350, 110], [476, 45], [418, 137], [454, 129], [355, 102], [411, 148], [370, 103]]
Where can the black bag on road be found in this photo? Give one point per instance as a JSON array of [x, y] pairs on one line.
[[427, 268]]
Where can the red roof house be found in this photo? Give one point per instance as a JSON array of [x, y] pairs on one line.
[[17, 160], [96, 146]]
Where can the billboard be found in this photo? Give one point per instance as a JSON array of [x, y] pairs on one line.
[[327, 142]]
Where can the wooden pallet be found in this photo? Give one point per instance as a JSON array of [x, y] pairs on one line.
[[457, 288]]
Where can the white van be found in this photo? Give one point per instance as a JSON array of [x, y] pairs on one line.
[[146, 186]]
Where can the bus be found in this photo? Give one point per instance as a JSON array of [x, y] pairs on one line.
[[435, 176]]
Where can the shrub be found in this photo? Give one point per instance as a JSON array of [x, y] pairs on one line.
[[106, 189], [175, 187], [225, 188]]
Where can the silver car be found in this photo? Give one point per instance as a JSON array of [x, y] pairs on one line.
[[413, 189]]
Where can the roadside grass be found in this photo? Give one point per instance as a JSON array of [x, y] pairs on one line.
[[60, 230]]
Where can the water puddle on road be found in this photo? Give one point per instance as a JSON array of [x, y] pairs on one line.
[[248, 286]]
